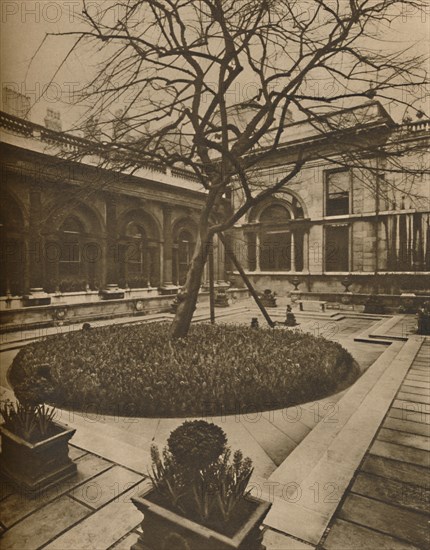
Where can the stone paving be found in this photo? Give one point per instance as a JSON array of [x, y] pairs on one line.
[[387, 504], [95, 512]]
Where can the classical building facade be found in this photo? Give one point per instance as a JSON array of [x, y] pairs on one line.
[[367, 221], [79, 240]]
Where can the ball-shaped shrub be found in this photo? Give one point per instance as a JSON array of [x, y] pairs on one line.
[[197, 444]]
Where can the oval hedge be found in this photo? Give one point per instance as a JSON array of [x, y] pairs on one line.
[[136, 370]]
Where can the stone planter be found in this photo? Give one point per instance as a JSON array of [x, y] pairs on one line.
[[35, 467], [166, 530]]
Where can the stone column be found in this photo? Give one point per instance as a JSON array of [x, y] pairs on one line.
[[167, 286], [111, 241], [257, 251], [306, 251], [221, 263], [293, 252], [35, 249], [147, 265], [35, 254]]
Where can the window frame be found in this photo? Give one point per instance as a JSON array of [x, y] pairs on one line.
[[347, 227], [326, 194]]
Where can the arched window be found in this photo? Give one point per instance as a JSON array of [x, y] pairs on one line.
[[138, 250], [275, 239], [71, 266], [184, 245], [137, 256]]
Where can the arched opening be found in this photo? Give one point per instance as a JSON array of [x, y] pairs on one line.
[[183, 252], [73, 250], [137, 261], [275, 239], [139, 251], [184, 243], [75, 271]]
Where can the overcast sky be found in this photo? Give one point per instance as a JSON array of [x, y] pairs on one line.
[[24, 23]]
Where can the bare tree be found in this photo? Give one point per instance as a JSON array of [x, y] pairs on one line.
[[175, 67]]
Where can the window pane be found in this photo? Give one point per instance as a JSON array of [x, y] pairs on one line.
[[276, 252], [276, 213], [252, 251], [337, 193]]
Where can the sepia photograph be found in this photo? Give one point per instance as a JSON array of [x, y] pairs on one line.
[[215, 275]]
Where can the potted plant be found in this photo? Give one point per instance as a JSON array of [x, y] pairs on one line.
[[199, 498], [423, 316], [268, 298], [35, 452]]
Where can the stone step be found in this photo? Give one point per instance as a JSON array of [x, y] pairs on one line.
[[364, 336], [328, 457], [383, 330]]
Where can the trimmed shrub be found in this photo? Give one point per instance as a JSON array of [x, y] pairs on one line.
[[205, 485], [196, 444]]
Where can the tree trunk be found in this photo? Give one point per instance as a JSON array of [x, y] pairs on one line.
[[185, 311]]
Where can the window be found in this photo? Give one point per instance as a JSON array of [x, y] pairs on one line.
[[136, 275], [185, 253], [71, 242], [275, 246], [337, 193], [251, 241], [337, 248]]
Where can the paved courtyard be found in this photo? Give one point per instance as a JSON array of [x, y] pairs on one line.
[[341, 472]]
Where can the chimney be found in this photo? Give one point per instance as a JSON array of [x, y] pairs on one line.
[[53, 120], [15, 103]]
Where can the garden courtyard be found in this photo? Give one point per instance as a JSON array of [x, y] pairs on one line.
[[337, 468]]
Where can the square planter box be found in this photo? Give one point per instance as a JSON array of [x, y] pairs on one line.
[[36, 466], [166, 530]]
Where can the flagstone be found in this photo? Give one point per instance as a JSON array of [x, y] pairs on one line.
[[425, 377], [18, 505], [43, 525], [278, 541], [344, 535], [274, 442], [401, 453], [394, 469], [392, 492], [413, 397], [290, 424], [410, 413], [415, 391], [75, 452], [392, 520], [104, 528], [407, 426], [416, 384], [126, 543], [411, 406], [403, 438], [107, 486]]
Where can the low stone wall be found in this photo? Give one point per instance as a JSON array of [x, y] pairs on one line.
[[69, 312], [389, 303], [389, 283]]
